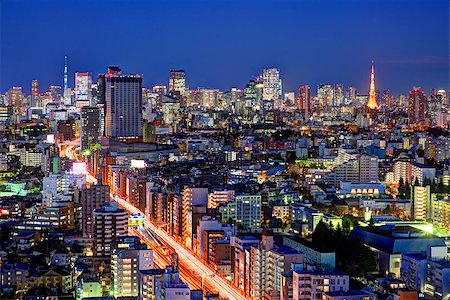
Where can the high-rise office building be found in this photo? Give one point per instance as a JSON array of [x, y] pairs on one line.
[[372, 102], [417, 105], [388, 99], [123, 101], [441, 95], [325, 95], [83, 89], [55, 93], [250, 94], [89, 127], [35, 93], [109, 223], [17, 101], [272, 88], [177, 83], [236, 95], [338, 95], [208, 97], [351, 94], [304, 100], [101, 80], [91, 198]]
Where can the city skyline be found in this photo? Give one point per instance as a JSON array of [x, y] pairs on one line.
[[224, 150], [229, 55]]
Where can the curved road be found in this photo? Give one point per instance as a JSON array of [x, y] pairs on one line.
[[187, 260], [224, 287]]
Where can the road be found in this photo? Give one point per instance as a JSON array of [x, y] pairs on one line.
[[191, 268], [163, 258], [71, 152], [187, 259]]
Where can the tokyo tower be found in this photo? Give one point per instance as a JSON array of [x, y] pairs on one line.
[[372, 103]]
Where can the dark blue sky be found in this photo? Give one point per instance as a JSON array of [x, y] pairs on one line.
[[225, 43]]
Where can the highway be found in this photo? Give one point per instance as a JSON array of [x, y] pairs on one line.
[[192, 270], [162, 258], [71, 152], [187, 259]]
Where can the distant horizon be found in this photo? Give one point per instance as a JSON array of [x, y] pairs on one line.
[[361, 91], [224, 44]]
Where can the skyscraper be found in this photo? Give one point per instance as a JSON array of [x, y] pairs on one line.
[[55, 93], [372, 102], [17, 101], [351, 94], [111, 70], [338, 95], [89, 127], [387, 98], [272, 89], [83, 89], [325, 95], [250, 95], [304, 99], [442, 96], [417, 103], [209, 97], [123, 100], [34, 93], [177, 83]]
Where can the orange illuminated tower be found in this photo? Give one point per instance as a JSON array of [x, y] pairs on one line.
[[372, 103]]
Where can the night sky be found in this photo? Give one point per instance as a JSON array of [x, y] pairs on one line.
[[223, 44]]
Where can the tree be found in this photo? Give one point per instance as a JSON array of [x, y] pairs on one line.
[[401, 183], [352, 256], [348, 222], [440, 186], [5, 234], [404, 190], [275, 222], [407, 190], [322, 233]]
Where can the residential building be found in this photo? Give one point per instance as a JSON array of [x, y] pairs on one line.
[[422, 209], [109, 222], [91, 198], [126, 264], [313, 284]]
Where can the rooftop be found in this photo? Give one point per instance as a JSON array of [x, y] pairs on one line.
[[347, 293], [281, 249], [309, 244]]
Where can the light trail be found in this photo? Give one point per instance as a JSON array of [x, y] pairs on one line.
[[162, 259], [189, 264], [210, 278]]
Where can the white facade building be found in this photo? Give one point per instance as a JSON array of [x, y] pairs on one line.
[[311, 284]]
